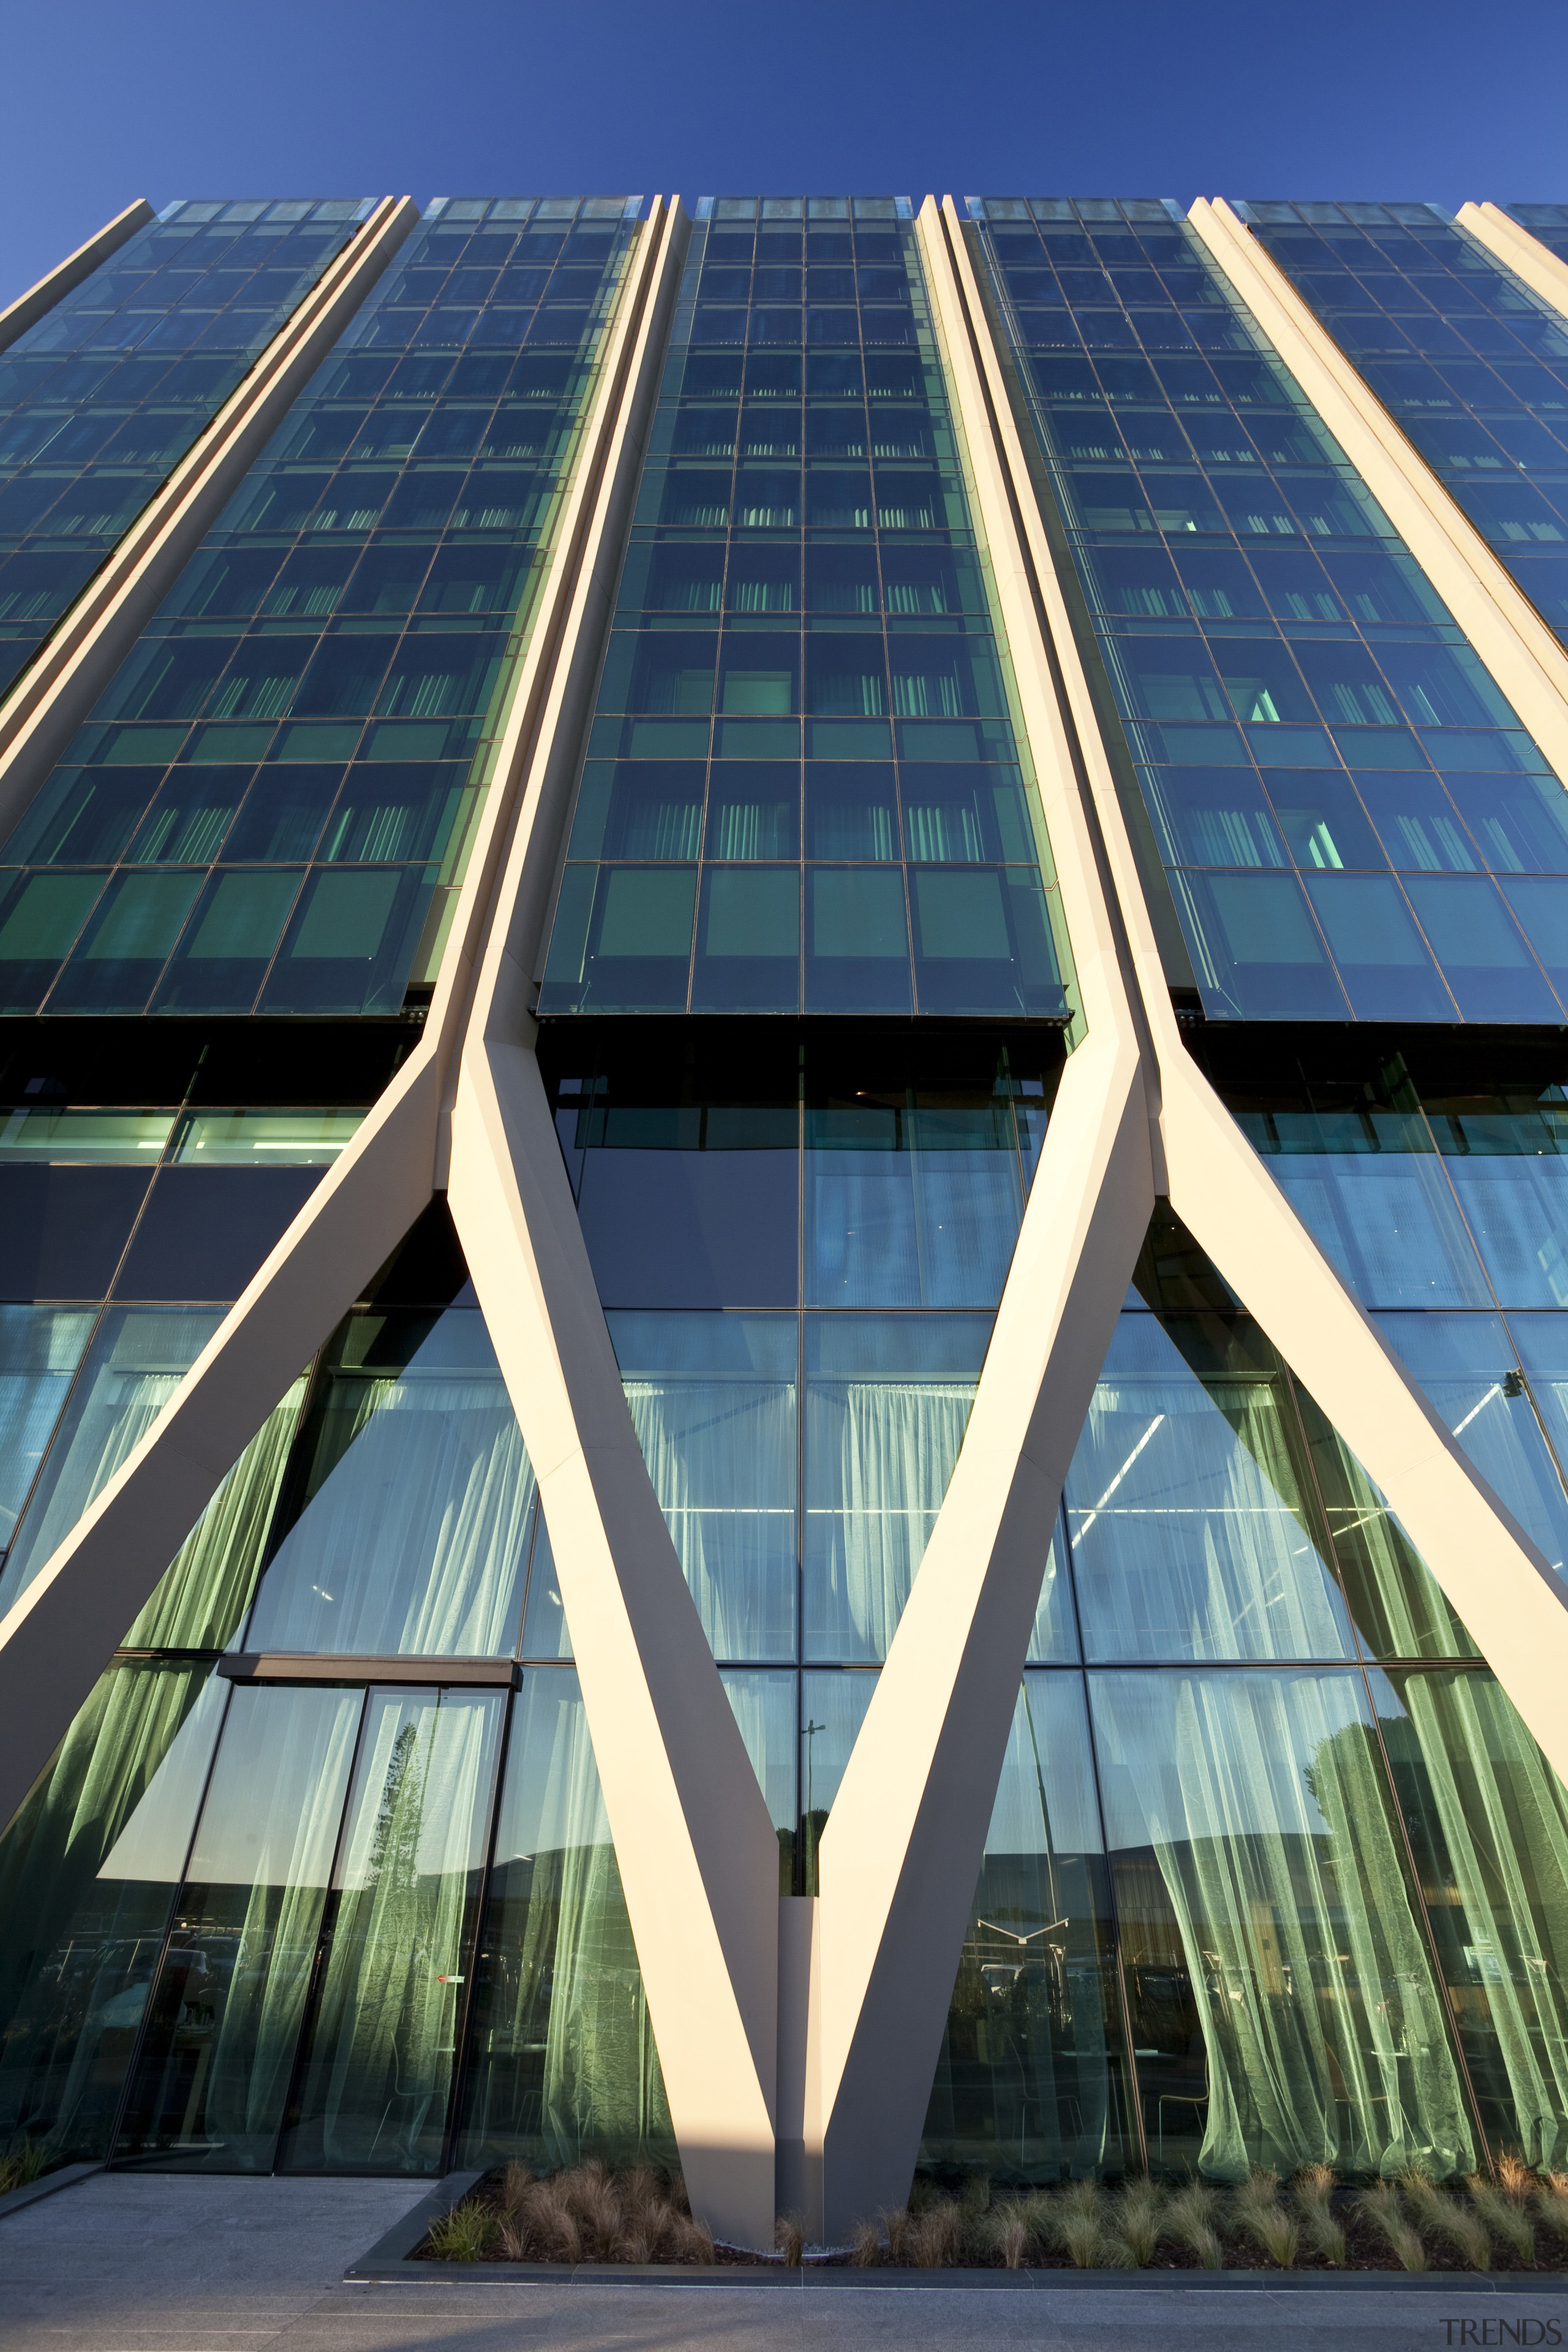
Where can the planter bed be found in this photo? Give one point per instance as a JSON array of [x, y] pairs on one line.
[[1508, 2232]]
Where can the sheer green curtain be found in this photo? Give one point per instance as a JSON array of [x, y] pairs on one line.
[[207, 1587], [137, 1360], [224, 2017], [383, 2044], [1264, 1805], [763, 1706], [418, 1491], [1400, 1609], [1190, 1533], [1489, 1821], [562, 2063], [79, 1934]]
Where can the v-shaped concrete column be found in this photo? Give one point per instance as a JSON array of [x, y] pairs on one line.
[[1495, 1577], [57, 1637]]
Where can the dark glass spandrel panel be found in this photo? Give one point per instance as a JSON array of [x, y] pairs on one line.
[[138, 1358], [1374, 1194], [1465, 1365], [63, 1230], [1188, 1509], [1488, 1823], [398, 1937], [224, 2019], [205, 1231], [40, 1348], [670, 1226], [89, 1873], [888, 1399], [1032, 2082], [409, 1519], [561, 2061], [102, 398], [1284, 2005], [1257, 950], [832, 1709], [713, 1401]]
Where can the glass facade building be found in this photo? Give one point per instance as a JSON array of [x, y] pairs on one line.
[[720, 725]]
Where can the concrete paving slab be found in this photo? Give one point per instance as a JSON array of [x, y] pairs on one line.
[[161, 2263]]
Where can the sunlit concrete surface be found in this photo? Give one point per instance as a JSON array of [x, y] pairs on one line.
[[157, 2262]]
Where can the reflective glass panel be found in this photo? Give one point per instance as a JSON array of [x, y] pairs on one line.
[[1187, 1504], [398, 1936], [1032, 2080], [223, 2020], [562, 2061], [411, 1509], [1283, 1998]]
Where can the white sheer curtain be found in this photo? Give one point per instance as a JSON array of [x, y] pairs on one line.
[[721, 1455], [414, 1541], [881, 1454]]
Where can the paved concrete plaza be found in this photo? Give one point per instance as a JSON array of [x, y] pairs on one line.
[[151, 2263]]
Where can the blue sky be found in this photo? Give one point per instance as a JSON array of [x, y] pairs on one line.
[[192, 97]]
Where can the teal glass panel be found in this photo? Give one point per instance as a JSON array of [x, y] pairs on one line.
[[763, 1704], [398, 1936], [222, 2023], [887, 1401], [1032, 2083], [1187, 1504], [40, 1348], [911, 1206], [1284, 2002], [411, 1518], [545, 1632], [1374, 1194], [102, 396], [138, 1358], [1488, 1823], [562, 2063], [1466, 1367], [1292, 692], [832, 1709], [327, 678], [90, 1869], [1470, 360], [712, 1400]]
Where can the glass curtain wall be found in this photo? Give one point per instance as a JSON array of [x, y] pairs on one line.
[[805, 786], [1277, 1878], [102, 397], [799, 1253], [269, 807], [1469, 359], [244, 1918], [123, 1237], [1327, 789]]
